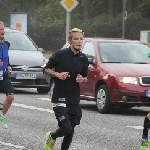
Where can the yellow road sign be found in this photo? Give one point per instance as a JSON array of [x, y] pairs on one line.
[[69, 5]]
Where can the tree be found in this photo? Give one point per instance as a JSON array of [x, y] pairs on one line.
[[86, 9], [110, 7]]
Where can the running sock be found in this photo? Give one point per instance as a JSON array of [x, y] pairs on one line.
[[51, 134], [144, 137]]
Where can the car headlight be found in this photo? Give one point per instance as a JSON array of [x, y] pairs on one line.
[[45, 60], [129, 80], [43, 65]]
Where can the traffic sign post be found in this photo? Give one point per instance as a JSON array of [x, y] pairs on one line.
[[68, 24], [69, 5]]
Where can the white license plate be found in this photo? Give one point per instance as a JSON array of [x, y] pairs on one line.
[[147, 93], [25, 76]]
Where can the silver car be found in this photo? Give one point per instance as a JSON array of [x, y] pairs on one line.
[[26, 60]]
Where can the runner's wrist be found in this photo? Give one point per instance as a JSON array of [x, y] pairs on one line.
[[56, 74], [84, 80]]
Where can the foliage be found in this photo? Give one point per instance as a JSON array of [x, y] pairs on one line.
[[48, 19], [144, 8]]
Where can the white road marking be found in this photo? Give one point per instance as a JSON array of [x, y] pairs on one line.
[[29, 107], [11, 145], [45, 99], [32, 107], [136, 127]]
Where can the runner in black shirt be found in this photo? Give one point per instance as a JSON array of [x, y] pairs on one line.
[[71, 67]]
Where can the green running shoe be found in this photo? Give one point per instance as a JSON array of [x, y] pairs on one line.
[[4, 122], [144, 144], [50, 143]]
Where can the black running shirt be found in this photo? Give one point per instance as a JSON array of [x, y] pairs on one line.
[[68, 91]]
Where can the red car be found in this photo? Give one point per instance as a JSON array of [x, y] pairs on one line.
[[118, 73]]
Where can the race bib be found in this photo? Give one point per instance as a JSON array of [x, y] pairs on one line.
[[1, 74]]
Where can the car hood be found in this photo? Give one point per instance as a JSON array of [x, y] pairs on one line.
[[29, 58], [129, 69]]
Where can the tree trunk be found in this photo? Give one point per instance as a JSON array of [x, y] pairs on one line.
[[130, 5], [110, 7], [86, 9]]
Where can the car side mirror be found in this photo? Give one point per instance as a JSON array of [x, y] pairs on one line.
[[90, 60], [148, 55]]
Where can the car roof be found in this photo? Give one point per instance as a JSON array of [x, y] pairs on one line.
[[8, 29], [101, 39], [114, 40]]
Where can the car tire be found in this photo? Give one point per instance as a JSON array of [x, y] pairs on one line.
[[103, 103], [43, 90]]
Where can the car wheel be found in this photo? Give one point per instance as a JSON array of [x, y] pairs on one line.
[[103, 100], [43, 90]]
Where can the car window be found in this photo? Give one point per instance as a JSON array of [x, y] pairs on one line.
[[89, 50], [19, 41], [124, 52]]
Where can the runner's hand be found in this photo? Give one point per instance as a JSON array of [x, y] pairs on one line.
[[9, 70], [148, 115], [1, 63], [79, 78], [62, 75]]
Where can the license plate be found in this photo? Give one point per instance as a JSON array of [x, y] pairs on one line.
[[25, 76], [147, 93]]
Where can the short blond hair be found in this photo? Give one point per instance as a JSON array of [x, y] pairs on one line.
[[74, 30]]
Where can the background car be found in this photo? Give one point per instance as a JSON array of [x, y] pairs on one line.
[[26, 60], [118, 73]]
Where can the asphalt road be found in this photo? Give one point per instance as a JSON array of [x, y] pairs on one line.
[[31, 116]]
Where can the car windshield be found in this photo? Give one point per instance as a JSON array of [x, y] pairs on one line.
[[19, 41], [124, 53]]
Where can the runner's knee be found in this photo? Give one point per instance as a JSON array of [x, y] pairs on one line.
[[66, 127], [10, 97]]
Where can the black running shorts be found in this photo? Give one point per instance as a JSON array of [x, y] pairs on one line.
[[6, 85], [70, 113]]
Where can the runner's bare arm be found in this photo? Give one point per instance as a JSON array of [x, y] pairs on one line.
[[50, 72]]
